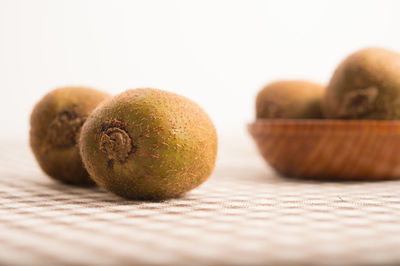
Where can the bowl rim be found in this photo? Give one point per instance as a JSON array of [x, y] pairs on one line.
[[320, 126], [293, 121]]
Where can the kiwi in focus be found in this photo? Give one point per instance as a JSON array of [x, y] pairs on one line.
[[149, 144]]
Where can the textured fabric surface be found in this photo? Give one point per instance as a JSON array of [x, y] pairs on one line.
[[244, 214]]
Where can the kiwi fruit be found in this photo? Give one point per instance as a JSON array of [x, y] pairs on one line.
[[290, 99], [366, 85], [55, 124], [148, 144]]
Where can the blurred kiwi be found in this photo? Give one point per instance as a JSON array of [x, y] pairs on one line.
[[290, 99], [366, 85], [55, 123]]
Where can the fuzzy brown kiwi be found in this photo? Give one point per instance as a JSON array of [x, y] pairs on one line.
[[290, 99], [366, 85], [55, 123], [149, 144]]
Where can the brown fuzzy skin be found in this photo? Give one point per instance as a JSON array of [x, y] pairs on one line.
[[366, 85], [290, 99], [149, 144], [55, 122]]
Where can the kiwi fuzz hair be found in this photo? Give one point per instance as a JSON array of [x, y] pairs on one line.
[[148, 144], [55, 124], [290, 99], [366, 85]]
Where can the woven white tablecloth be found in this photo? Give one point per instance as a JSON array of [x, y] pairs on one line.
[[243, 215]]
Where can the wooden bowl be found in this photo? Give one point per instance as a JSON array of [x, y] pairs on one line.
[[330, 149]]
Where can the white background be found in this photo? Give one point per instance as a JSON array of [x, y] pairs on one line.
[[218, 53]]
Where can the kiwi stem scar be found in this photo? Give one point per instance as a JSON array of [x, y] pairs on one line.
[[63, 129], [359, 102], [116, 144]]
